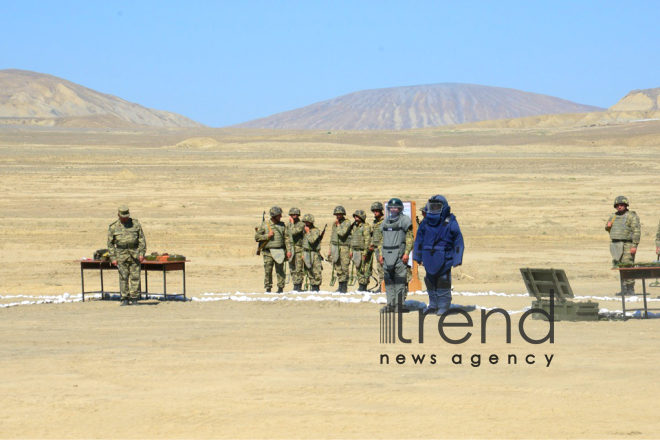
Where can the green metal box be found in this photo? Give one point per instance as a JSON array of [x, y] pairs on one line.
[[553, 283]]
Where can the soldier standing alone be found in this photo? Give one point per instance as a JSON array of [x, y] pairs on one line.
[[272, 234], [127, 246], [360, 253], [377, 240], [312, 252], [295, 232], [340, 241], [625, 231]]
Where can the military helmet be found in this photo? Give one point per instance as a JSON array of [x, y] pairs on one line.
[[360, 213], [275, 210], [621, 200], [395, 203], [308, 218], [376, 206], [339, 210], [294, 211]]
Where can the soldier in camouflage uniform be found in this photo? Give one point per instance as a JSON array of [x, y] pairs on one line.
[[311, 245], [395, 250], [657, 241], [127, 246], [360, 253], [295, 231], [340, 241], [625, 231], [377, 240], [272, 235]]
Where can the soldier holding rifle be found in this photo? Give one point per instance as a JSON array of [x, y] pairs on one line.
[[274, 247], [340, 247]]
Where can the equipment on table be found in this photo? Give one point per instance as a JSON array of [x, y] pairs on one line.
[[102, 255], [155, 256]]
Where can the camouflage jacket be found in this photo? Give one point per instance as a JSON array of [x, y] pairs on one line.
[[294, 234], [279, 240], [625, 226], [341, 235], [361, 237], [312, 239], [126, 240]]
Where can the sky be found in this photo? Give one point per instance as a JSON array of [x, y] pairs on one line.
[[222, 62]]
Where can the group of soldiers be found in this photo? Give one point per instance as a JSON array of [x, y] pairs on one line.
[[298, 242], [355, 245], [625, 232]]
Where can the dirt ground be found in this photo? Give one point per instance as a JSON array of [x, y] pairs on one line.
[[303, 369]]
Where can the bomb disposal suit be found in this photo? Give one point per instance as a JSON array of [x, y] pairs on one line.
[[395, 249], [439, 247]]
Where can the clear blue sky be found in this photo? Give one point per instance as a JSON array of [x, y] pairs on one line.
[[222, 63]]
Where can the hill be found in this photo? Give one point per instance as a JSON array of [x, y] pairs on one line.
[[38, 99], [639, 100], [402, 108]]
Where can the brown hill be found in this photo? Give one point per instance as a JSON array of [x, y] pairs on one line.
[[40, 99], [642, 100], [401, 108]]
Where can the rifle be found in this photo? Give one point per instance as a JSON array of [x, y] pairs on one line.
[[263, 219], [323, 233], [417, 219]]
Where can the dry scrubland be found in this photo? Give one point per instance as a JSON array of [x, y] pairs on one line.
[[535, 197]]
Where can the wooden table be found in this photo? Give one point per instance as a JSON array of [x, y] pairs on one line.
[[146, 267], [637, 273]]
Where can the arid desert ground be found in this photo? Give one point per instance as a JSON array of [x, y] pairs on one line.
[[301, 369]]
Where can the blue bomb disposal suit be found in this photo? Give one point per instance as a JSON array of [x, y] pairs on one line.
[[439, 247]]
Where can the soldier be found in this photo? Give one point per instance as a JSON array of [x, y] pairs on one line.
[[657, 242], [272, 235], [625, 231], [377, 240], [295, 233], [127, 246], [311, 245], [439, 247], [395, 250], [340, 247], [360, 253]]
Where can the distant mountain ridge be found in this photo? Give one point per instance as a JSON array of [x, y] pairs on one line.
[[46, 99], [402, 108], [636, 100]]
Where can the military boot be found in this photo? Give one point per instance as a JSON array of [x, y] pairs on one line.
[[362, 288], [297, 287], [630, 289], [124, 302], [268, 290], [344, 287], [280, 290], [316, 289]]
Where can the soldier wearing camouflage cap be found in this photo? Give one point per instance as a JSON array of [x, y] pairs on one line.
[[360, 253], [311, 245], [340, 242], [625, 232], [127, 246], [377, 240], [272, 236], [295, 230]]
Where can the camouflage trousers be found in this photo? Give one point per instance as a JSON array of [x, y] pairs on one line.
[[343, 264], [296, 266], [627, 257], [269, 263], [364, 272], [315, 273], [129, 278]]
